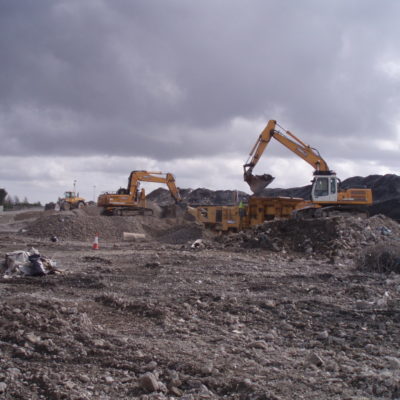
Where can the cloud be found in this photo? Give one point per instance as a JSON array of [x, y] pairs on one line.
[[167, 81]]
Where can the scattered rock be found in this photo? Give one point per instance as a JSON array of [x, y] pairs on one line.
[[3, 387], [149, 382], [315, 359]]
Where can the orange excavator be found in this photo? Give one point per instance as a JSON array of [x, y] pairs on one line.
[[325, 191], [132, 200]]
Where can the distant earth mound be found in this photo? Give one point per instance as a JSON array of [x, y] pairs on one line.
[[385, 191]]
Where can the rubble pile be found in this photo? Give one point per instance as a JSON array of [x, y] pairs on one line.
[[198, 196], [83, 225], [201, 321], [323, 235], [381, 258], [41, 340], [77, 225], [181, 234]]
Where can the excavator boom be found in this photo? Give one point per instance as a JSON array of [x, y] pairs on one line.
[[147, 176], [258, 182]]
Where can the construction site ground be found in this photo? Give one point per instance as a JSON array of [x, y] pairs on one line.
[[230, 319]]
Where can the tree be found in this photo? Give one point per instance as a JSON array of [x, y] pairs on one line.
[[3, 194], [8, 202]]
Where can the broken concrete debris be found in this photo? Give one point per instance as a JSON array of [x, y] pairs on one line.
[[198, 244], [325, 236], [28, 263], [133, 237]]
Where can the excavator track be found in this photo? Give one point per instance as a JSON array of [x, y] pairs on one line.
[[331, 211], [129, 211]]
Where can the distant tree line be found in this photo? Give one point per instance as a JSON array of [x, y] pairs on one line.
[[3, 195], [13, 202]]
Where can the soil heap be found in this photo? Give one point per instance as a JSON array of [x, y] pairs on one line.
[[329, 236], [84, 224], [200, 196]]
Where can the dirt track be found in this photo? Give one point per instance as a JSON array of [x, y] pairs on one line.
[[153, 320]]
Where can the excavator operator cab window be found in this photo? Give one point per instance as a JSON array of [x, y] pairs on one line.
[[333, 185], [321, 187]]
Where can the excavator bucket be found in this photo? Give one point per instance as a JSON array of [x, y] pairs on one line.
[[258, 182]]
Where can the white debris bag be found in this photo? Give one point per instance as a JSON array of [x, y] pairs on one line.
[[18, 259], [28, 263]]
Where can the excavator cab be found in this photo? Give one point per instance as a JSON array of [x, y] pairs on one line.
[[325, 188]]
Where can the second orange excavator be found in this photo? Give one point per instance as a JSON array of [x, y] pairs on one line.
[[325, 192], [132, 200]]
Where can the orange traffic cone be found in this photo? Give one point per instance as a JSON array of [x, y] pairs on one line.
[[96, 242]]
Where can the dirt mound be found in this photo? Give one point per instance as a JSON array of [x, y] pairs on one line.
[[181, 234], [92, 210], [198, 196], [390, 208], [78, 225], [381, 258], [384, 187], [84, 224], [27, 215], [385, 192], [324, 235]]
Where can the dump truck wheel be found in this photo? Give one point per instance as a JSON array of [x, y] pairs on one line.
[[81, 204]]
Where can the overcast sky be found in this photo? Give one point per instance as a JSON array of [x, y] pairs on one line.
[[92, 89]]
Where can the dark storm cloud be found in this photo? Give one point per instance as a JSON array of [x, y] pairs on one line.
[[163, 79]]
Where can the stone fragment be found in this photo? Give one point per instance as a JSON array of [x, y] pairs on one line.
[[394, 362], [151, 366], [259, 344], [207, 368], [99, 342], [13, 373], [315, 359], [323, 335], [3, 387], [69, 385], [175, 391], [84, 378], [149, 382], [32, 338]]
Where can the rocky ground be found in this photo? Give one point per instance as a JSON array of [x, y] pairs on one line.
[[234, 318]]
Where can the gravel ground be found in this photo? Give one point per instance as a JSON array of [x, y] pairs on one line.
[[159, 320]]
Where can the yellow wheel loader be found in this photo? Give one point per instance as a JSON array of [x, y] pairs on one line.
[[70, 201]]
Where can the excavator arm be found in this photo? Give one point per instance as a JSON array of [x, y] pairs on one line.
[[258, 182], [172, 187], [146, 176]]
